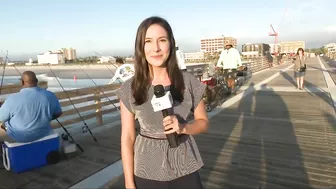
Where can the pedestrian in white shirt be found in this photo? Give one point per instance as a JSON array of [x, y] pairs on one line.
[[123, 73], [180, 59], [230, 62]]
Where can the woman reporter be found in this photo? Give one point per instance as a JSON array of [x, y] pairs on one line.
[[148, 160]]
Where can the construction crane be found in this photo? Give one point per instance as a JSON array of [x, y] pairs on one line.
[[275, 33]]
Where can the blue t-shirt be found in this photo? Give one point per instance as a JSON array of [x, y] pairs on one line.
[[28, 113]]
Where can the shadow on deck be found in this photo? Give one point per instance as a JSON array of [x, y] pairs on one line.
[[271, 138]]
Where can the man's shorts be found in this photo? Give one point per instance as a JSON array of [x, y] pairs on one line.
[[230, 73]]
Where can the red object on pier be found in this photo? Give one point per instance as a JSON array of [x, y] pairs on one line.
[[75, 78]]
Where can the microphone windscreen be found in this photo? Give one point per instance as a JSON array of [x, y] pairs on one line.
[[159, 91]]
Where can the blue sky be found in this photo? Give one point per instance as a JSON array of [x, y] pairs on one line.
[[109, 26]]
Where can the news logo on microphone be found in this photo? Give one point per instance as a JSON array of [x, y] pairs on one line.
[[163, 102]]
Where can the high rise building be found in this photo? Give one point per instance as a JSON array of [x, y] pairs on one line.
[[216, 44], [288, 47], [250, 50], [69, 54]]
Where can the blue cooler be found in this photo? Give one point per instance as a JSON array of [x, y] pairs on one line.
[[21, 157]]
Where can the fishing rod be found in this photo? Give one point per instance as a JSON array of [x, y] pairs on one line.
[[86, 127], [3, 71], [110, 69], [107, 66], [99, 88], [66, 131]]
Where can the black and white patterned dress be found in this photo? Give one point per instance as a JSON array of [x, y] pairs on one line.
[[153, 158]]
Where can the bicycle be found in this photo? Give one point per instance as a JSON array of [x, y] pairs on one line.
[[215, 89]]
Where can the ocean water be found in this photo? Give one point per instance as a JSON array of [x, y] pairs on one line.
[[53, 84]]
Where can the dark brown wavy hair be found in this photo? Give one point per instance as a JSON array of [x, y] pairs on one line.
[[297, 52], [143, 77]]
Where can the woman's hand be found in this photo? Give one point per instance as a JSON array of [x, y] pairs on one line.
[[172, 125]]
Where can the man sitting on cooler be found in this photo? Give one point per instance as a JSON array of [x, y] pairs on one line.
[[25, 116]]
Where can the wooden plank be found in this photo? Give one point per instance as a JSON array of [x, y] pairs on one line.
[[269, 148], [77, 119], [14, 88], [80, 99], [71, 170], [85, 91], [87, 108]]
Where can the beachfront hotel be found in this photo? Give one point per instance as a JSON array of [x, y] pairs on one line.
[[194, 56], [51, 57], [216, 44], [57, 57], [69, 54], [290, 47]]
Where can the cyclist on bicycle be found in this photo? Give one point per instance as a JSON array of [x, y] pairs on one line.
[[230, 62]]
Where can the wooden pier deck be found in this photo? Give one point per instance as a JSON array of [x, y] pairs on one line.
[[276, 136], [270, 135]]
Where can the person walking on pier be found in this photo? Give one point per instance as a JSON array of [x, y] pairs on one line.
[[124, 72], [25, 116], [148, 160], [299, 61], [230, 62]]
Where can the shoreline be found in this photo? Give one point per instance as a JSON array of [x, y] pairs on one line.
[[62, 72], [63, 66], [94, 71]]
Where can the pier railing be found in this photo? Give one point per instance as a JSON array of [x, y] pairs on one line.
[[257, 64], [92, 104], [14, 88], [254, 65]]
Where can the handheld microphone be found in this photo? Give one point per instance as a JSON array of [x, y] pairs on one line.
[[162, 102]]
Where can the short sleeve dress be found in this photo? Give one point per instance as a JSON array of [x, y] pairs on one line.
[[153, 158]]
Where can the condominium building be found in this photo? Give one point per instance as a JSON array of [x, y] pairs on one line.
[[1, 60], [288, 47], [194, 56], [51, 57], [331, 50], [69, 54], [250, 50], [275, 48], [216, 44], [107, 59], [331, 47]]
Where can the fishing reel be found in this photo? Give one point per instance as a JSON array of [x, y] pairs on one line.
[[84, 129], [64, 136]]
